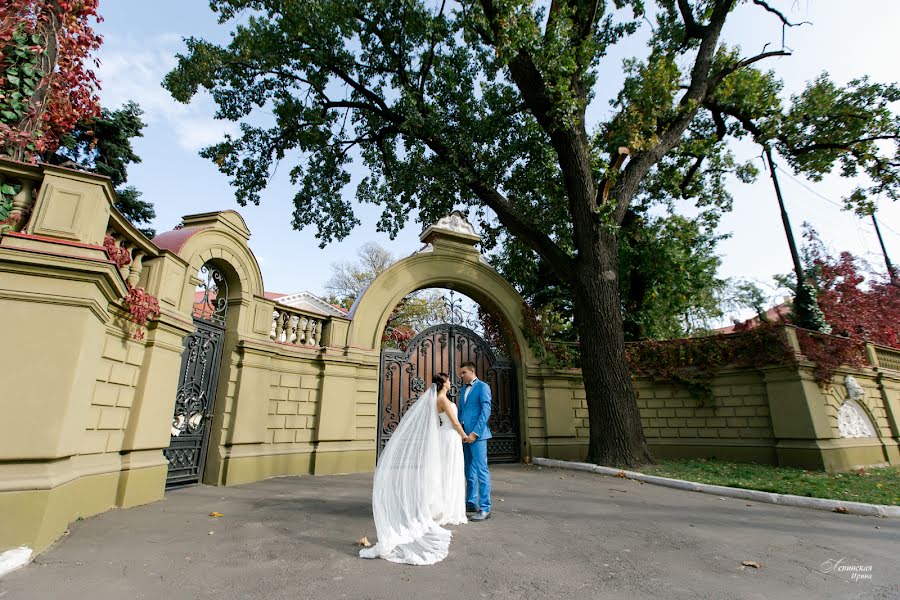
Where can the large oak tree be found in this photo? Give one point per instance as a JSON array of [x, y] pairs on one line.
[[482, 104]]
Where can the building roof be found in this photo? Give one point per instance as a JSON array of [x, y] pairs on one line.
[[306, 301], [175, 239], [311, 303], [776, 314]]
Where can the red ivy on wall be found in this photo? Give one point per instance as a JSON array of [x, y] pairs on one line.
[[142, 306], [115, 252]]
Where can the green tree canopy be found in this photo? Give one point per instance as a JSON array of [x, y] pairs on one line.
[[103, 145], [482, 104]]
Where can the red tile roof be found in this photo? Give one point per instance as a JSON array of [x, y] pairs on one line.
[[174, 240], [776, 314]]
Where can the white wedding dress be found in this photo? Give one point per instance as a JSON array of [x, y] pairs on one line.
[[419, 486]]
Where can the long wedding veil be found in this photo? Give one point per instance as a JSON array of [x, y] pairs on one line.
[[405, 495]]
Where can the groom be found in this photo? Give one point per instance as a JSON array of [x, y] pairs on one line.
[[474, 412]]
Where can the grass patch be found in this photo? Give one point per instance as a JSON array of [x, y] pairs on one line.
[[875, 486]]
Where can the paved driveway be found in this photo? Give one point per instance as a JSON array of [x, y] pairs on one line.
[[555, 534]]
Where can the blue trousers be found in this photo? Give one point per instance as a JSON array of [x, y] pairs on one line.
[[478, 478]]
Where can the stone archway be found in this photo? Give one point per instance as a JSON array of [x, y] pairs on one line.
[[450, 260], [220, 280]]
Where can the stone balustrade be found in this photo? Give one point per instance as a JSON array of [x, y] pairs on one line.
[[128, 247], [296, 327], [886, 358], [126, 252], [25, 180]]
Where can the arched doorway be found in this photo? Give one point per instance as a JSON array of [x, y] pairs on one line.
[[198, 380], [406, 373], [450, 260]]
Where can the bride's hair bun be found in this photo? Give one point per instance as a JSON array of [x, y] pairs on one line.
[[440, 379]]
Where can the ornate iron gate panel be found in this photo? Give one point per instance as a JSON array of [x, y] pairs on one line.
[[197, 382], [406, 374]]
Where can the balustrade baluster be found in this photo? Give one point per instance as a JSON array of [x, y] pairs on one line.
[[126, 250], [21, 205], [137, 265], [294, 332], [318, 333], [296, 329], [279, 325], [308, 332]]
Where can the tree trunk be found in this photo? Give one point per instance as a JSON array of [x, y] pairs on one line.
[[616, 434]]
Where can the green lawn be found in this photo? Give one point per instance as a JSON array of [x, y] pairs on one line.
[[876, 486]]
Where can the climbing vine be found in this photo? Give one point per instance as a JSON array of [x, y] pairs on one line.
[[115, 252], [7, 220], [830, 352], [694, 362], [46, 83], [141, 306]]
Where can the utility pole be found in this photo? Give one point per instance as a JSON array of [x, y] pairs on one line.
[[795, 256], [805, 306], [892, 270]]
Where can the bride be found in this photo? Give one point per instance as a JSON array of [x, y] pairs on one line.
[[420, 482]]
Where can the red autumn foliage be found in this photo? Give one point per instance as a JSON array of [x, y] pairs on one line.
[[871, 313], [115, 252], [46, 83], [830, 352], [142, 306], [855, 305], [399, 336]]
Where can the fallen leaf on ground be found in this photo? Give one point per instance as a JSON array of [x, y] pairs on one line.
[[840, 509], [620, 474], [216, 514], [363, 541], [751, 563]]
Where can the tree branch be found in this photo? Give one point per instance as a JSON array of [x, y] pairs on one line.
[[784, 20], [691, 28], [691, 173], [518, 225], [429, 58], [744, 63], [569, 139], [841, 145], [698, 89]]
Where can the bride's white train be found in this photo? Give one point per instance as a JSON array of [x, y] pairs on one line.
[[419, 486]]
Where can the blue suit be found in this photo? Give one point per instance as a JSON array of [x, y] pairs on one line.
[[474, 412]]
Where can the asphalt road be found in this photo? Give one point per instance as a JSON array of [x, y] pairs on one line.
[[554, 534]]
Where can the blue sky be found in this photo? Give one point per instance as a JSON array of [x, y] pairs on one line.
[[142, 38]]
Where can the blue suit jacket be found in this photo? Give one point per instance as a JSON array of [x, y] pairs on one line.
[[475, 410]]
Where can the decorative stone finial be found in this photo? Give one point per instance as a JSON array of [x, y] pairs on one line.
[[454, 226], [456, 221]]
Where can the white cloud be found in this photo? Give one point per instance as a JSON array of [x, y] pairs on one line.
[[133, 71]]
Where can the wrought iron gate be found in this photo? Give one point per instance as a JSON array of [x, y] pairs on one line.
[[197, 382], [406, 374]]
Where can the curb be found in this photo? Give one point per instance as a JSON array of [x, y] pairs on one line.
[[853, 508]]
